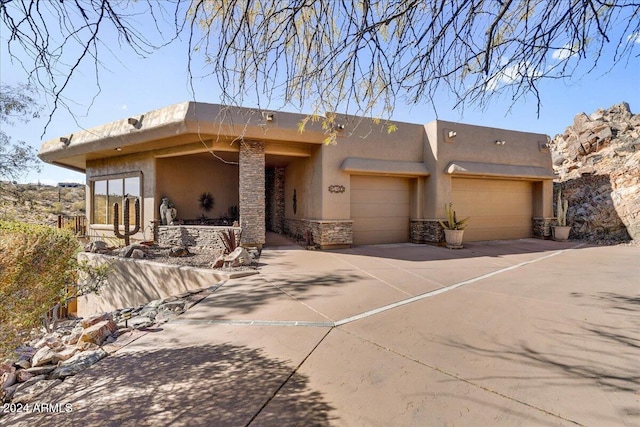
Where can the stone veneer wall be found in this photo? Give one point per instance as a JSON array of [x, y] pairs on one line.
[[542, 227], [278, 200], [201, 238], [426, 231], [275, 200], [252, 192], [326, 234]]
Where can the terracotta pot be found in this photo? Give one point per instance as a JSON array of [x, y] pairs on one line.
[[453, 238], [561, 233]]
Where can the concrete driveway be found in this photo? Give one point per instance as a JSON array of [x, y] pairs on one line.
[[525, 332]]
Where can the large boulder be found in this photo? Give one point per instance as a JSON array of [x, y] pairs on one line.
[[597, 159], [99, 332]]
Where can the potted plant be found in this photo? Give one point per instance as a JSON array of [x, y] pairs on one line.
[[453, 229], [561, 231]]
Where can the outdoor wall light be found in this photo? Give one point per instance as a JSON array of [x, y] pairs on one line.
[[64, 140], [452, 134], [136, 123], [499, 142], [338, 126], [118, 148], [269, 117]]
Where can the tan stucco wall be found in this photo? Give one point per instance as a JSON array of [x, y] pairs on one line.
[[134, 282], [183, 179], [478, 144], [106, 168], [371, 141], [305, 176]]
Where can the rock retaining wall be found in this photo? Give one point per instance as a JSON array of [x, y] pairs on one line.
[[201, 238]]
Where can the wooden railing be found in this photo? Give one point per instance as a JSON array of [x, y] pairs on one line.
[[77, 223]]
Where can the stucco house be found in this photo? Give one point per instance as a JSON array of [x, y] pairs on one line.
[[371, 187]]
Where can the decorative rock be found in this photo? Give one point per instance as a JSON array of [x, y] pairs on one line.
[[73, 337], [219, 262], [99, 332], [78, 363], [44, 356], [179, 252], [39, 370], [101, 317], [23, 375], [137, 254], [140, 322], [173, 306], [87, 346], [8, 378], [28, 391], [127, 251], [7, 393], [23, 363], [238, 257], [97, 246]]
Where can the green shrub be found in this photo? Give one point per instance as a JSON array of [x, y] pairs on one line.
[[36, 265], [78, 206], [56, 208]]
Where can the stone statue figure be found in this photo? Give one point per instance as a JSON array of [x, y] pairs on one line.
[[167, 212]]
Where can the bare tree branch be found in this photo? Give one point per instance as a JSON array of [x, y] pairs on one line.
[[361, 57]]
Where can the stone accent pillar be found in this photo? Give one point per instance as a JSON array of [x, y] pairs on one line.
[[278, 201], [426, 231], [542, 227], [252, 193]]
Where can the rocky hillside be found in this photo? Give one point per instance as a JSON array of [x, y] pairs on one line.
[[598, 162], [39, 204]]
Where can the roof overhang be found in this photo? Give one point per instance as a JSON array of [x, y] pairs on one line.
[[479, 169], [357, 165], [184, 124]]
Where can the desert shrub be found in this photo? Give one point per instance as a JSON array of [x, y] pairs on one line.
[[56, 208], [36, 264], [79, 206]]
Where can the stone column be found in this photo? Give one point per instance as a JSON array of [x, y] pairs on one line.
[[278, 200], [251, 192]]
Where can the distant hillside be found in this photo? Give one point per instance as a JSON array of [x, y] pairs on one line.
[[39, 204]]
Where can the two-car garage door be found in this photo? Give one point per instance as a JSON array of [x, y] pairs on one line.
[[499, 209], [379, 209]]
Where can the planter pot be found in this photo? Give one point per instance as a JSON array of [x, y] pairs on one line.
[[561, 233], [453, 238]]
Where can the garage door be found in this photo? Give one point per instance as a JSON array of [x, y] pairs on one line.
[[379, 209], [499, 209]]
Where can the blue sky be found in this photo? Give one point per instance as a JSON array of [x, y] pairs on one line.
[[132, 85]]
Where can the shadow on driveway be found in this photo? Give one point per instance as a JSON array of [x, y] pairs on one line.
[[216, 385]]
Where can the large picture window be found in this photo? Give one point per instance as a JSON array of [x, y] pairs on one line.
[[107, 191]]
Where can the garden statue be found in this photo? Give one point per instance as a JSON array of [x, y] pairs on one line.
[[167, 212]]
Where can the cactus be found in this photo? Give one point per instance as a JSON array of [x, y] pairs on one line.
[[125, 220], [561, 210], [452, 222]]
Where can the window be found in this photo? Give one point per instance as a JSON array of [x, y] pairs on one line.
[[112, 190]]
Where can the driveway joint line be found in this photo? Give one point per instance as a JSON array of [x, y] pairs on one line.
[[445, 289], [366, 314], [275, 393], [374, 277], [459, 378], [297, 299], [241, 322]]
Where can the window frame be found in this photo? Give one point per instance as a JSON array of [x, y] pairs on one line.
[[106, 179]]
